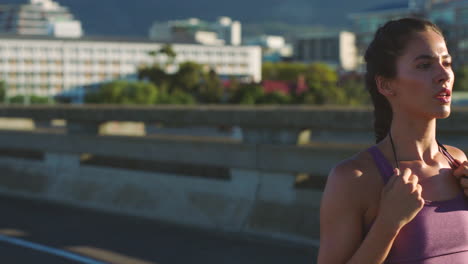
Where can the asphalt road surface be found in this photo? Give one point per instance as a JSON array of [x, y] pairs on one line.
[[40, 232]]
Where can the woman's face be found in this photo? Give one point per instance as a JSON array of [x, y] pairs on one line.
[[424, 80]]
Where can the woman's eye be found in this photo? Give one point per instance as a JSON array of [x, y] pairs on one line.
[[423, 66], [447, 64]]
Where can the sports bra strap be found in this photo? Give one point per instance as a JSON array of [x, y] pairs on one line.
[[453, 163], [385, 168]]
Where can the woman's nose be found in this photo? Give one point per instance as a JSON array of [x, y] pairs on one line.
[[444, 75]]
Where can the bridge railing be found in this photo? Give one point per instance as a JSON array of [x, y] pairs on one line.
[[252, 163]]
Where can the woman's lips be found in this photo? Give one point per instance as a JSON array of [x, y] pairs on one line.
[[443, 99], [444, 95]]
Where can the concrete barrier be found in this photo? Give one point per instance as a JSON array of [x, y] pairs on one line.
[[256, 196]]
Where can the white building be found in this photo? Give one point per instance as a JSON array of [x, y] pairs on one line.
[[337, 49], [47, 66], [223, 31], [274, 48], [39, 17]]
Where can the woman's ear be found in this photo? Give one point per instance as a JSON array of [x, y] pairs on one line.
[[384, 86]]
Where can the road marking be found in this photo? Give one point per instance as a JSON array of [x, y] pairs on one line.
[[49, 250]]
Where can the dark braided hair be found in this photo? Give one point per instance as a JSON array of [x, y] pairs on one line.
[[388, 44]]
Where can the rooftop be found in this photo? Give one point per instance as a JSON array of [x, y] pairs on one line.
[[97, 38]]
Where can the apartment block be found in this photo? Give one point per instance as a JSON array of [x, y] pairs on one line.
[[39, 17], [47, 66], [224, 31], [337, 49]]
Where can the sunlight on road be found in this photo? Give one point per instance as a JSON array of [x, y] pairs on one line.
[[13, 232]]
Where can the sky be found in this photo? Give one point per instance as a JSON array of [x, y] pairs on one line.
[[135, 17]]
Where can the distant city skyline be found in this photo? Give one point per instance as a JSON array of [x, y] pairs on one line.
[[135, 18]]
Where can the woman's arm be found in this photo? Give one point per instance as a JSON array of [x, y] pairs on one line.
[[342, 211]]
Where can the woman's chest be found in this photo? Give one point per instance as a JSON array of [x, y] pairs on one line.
[[438, 184]]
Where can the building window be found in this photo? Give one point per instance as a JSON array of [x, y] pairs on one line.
[[12, 88], [12, 76], [87, 51], [102, 51]]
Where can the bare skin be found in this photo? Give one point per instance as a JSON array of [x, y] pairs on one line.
[[355, 197]]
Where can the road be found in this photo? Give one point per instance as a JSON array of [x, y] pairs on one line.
[[42, 232]]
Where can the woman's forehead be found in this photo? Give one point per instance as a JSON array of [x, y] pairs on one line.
[[428, 43]]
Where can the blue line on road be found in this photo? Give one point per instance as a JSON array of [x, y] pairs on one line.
[[49, 250]]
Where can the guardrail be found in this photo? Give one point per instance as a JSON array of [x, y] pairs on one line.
[[253, 188]]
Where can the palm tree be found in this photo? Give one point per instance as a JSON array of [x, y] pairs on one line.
[[166, 50]]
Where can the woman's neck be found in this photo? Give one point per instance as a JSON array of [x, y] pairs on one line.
[[414, 139]]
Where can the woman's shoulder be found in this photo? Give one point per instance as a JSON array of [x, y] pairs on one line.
[[456, 152], [353, 169], [355, 165], [353, 182]]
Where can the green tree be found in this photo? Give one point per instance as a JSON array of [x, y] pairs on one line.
[[355, 92], [155, 75], [322, 85], [34, 99], [211, 89], [2, 91], [249, 94], [124, 92], [165, 50], [17, 99], [283, 71], [139, 93], [188, 78], [274, 97], [461, 79], [176, 97]]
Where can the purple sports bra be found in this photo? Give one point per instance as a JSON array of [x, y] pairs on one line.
[[439, 232]]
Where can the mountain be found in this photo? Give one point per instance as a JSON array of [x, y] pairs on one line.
[[133, 18]]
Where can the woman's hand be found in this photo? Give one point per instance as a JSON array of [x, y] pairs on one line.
[[401, 199], [462, 174]]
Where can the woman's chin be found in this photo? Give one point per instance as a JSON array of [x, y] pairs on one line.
[[444, 113]]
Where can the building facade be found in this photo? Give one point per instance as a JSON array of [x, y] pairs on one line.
[[450, 15], [337, 49], [452, 18], [274, 48], [368, 21], [39, 17], [48, 66], [224, 31]]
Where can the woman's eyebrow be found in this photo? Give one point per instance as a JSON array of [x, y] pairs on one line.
[[431, 57]]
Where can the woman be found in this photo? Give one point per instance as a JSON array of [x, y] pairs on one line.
[[401, 201]]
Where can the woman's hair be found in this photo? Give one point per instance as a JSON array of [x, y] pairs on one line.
[[388, 44]]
